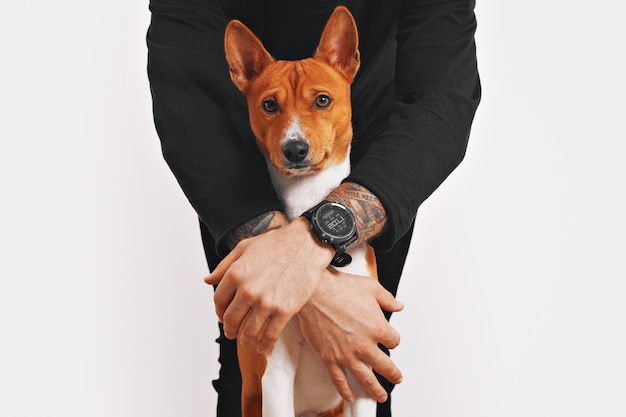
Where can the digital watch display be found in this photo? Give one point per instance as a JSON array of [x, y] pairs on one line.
[[333, 224]]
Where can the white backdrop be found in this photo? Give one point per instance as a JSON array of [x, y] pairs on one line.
[[514, 284]]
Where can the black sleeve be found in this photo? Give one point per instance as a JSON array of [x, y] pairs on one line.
[[437, 93], [195, 111]]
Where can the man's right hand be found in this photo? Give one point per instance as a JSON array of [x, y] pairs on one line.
[[343, 323]]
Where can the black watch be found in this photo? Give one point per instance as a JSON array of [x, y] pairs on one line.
[[333, 224]]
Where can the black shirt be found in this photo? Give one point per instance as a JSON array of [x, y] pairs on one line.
[[414, 100]]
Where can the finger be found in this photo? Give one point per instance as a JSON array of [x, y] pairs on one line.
[[251, 326], [387, 301], [340, 381], [384, 366], [364, 376], [390, 338], [275, 327], [234, 315], [223, 297], [220, 270]]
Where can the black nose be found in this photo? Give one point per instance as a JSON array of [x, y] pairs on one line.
[[296, 150]]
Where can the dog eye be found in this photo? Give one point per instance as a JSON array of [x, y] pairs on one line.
[[322, 101], [270, 106]]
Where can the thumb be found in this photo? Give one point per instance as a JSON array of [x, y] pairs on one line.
[[387, 301]]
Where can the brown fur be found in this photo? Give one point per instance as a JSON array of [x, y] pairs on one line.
[[337, 412], [252, 365], [370, 259]]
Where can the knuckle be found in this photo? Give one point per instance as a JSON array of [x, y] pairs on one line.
[[272, 331], [249, 333], [360, 347], [368, 381], [249, 295], [378, 330], [394, 342], [327, 356], [270, 336], [389, 369], [281, 311], [236, 273], [264, 304], [338, 380], [218, 300], [229, 321], [396, 375]]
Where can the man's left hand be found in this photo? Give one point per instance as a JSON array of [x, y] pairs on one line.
[[266, 280]]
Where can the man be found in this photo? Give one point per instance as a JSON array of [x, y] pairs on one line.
[[414, 100]]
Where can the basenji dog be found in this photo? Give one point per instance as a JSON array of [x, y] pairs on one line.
[[301, 116]]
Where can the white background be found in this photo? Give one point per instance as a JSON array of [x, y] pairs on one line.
[[514, 285]]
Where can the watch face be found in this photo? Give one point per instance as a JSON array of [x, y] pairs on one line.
[[335, 221]]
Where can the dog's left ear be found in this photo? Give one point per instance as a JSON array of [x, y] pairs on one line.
[[339, 45]]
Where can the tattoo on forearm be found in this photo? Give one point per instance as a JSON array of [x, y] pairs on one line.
[[368, 211], [258, 225]]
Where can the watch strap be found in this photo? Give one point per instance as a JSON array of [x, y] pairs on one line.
[[341, 259]]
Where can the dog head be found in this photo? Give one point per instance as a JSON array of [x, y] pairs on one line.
[[300, 111]]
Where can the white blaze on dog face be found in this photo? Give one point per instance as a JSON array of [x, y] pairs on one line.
[[294, 131]]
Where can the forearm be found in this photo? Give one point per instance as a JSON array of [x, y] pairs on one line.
[[263, 223]]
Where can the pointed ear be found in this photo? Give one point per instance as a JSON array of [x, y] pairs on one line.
[[339, 45], [245, 54]]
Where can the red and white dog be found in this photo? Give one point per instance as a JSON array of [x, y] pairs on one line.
[[301, 115]]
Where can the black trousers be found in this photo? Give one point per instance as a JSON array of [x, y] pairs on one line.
[[228, 384]]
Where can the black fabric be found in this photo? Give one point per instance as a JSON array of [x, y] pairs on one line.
[[414, 100]]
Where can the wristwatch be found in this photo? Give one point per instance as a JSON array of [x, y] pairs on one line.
[[333, 223]]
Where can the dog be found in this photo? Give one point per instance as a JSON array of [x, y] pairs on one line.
[[301, 116]]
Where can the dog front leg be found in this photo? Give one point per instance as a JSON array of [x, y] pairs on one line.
[[280, 373]]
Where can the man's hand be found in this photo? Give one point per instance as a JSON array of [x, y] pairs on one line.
[[343, 323], [266, 280]]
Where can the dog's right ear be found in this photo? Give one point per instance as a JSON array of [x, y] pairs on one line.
[[245, 54]]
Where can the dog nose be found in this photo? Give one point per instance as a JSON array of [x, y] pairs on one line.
[[296, 150]]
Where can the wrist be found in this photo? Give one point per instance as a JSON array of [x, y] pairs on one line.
[[318, 250], [368, 211]]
